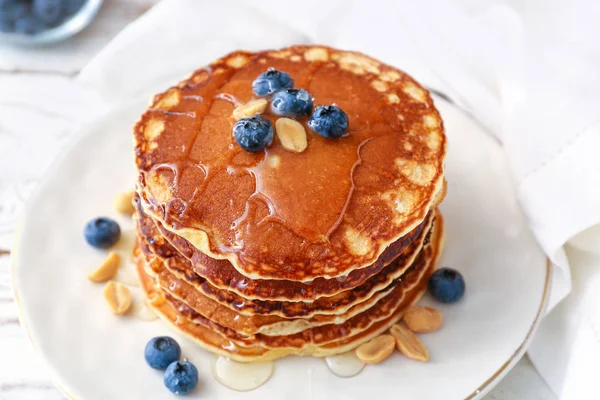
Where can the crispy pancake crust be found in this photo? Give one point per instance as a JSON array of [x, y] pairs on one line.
[[270, 325], [346, 303], [279, 215]]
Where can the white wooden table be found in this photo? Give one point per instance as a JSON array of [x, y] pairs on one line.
[[38, 102]]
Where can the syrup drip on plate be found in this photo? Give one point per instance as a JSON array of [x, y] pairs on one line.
[[242, 377], [145, 313], [345, 365], [126, 274], [140, 308]]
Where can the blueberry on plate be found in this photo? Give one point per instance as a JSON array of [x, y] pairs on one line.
[[291, 103], [446, 285], [181, 377], [102, 232], [271, 81], [50, 12], [162, 351], [329, 121], [253, 133]]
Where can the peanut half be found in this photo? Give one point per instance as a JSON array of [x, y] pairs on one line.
[[291, 134], [123, 203], [107, 269], [376, 350], [118, 297], [249, 109], [408, 343], [423, 319]]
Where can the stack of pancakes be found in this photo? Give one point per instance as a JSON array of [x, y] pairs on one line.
[[262, 255]]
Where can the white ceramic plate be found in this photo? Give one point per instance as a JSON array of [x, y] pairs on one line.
[[95, 355]]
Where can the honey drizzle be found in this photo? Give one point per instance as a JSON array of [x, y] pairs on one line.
[[357, 163], [181, 114], [175, 169], [230, 98], [174, 113], [233, 150], [174, 166], [272, 217], [193, 97], [210, 172]]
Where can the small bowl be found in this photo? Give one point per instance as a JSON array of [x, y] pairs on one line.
[[70, 27]]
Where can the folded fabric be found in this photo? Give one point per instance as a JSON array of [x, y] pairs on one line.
[[527, 71]]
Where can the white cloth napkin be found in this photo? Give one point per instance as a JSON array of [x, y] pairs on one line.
[[527, 71]]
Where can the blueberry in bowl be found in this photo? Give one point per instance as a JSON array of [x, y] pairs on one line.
[[44, 21], [12, 11], [27, 25]]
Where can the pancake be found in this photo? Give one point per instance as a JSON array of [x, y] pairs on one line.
[[248, 296], [349, 303], [351, 323], [269, 324], [337, 304], [319, 334], [349, 335], [323, 213]]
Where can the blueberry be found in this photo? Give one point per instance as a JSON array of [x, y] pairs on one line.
[[447, 285], [181, 377], [271, 81], [291, 103], [18, 10], [329, 121], [6, 26], [253, 134], [162, 351], [102, 232], [11, 11], [28, 25], [5, 5], [72, 6], [48, 11]]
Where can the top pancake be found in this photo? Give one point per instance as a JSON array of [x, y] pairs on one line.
[[280, 215]]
